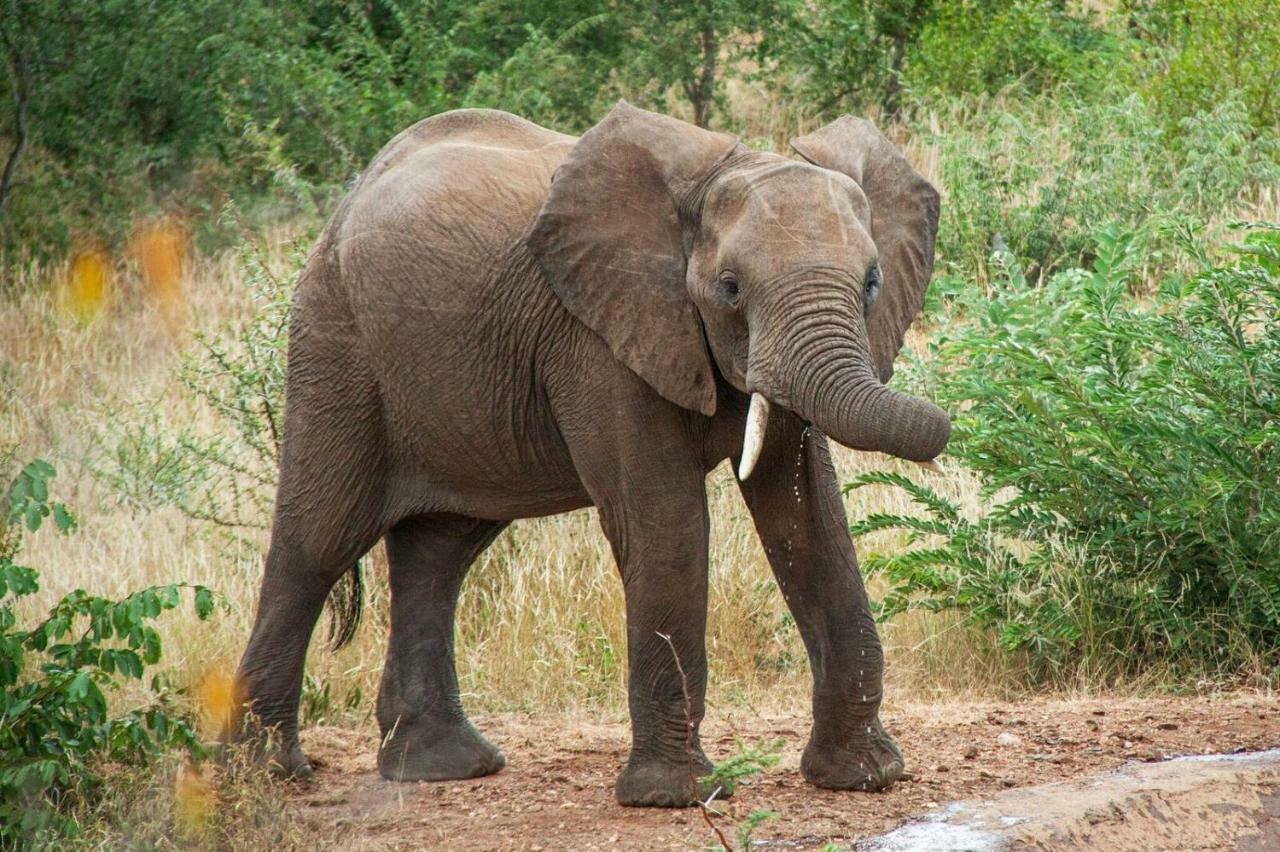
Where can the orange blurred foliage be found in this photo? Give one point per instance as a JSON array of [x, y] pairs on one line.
[[217, 697], [160, 249]]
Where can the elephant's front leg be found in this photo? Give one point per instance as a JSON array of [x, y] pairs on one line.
[[795, 501], [660, 543]]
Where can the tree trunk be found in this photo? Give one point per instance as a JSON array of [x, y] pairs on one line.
[[892, 100], [21, 96], [701, 92]]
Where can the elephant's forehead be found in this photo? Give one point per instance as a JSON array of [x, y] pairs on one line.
[[798, 194]]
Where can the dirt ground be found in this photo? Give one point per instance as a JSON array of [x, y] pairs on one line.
[[556, 792]]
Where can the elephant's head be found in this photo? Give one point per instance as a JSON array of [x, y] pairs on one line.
[[682, 249]]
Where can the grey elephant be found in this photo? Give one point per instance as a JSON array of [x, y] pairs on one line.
[[503, 322]]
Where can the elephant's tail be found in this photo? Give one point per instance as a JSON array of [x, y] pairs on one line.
[[346, 603]]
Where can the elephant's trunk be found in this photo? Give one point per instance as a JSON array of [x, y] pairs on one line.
[[823, 373]]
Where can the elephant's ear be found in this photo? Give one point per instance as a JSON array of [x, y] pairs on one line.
[[611, 243], [904, 222]]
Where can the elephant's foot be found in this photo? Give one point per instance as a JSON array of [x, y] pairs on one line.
[[872, 763], [653, 783], [288, 762], [443, 755], [279, 752]]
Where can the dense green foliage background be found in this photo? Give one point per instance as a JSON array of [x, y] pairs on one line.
[[111, 108], [1135, 442]]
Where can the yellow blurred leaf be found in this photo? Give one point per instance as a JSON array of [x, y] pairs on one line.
[[88, 283]]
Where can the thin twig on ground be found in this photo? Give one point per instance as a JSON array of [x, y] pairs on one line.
[[703, 807]]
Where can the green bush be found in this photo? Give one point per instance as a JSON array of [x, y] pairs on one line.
[[226, 475], [1132, 446], [1036, 176], [1216, 51], [57, 732], [984, 46]]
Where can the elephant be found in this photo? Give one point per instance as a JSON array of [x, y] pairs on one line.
[[501, 321]]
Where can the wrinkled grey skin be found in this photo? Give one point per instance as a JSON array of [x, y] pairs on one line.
[[473, 343]]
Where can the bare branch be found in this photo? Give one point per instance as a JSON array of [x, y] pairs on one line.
[[704, 807], [21, 97]]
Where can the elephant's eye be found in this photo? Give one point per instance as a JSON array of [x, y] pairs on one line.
[[728, 286], [872, 285]]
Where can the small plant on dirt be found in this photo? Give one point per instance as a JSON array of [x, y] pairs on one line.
[[1132, 449], [746, 762], [748, 826], [58, 733]]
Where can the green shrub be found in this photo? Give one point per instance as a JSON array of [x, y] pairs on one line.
[[984, 46], [1219, 50], [225, 475], [58, 731], [1133, 446], [1036, 176]]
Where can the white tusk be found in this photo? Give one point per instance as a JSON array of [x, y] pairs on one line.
[[753, 439], [931, 465]]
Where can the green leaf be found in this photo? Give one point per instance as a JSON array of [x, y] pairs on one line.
[[204, 602]]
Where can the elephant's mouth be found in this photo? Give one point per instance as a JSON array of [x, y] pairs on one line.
[[758, 423]]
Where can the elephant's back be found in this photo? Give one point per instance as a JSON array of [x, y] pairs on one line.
[[448, 311], [450, 195], [485, 129]]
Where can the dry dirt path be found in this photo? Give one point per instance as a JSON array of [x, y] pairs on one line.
[[556, 792]]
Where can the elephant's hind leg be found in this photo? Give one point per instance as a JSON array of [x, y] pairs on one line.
[[328, 514], [425, 732], [299, 575]]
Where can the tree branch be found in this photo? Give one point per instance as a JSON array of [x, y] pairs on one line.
[[21, 97]]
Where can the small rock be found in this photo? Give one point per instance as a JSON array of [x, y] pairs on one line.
[[942, 767], [1007, 739], [1099, 712], [1007, 782], [971, 752], [982, 773], [1168, 726]]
